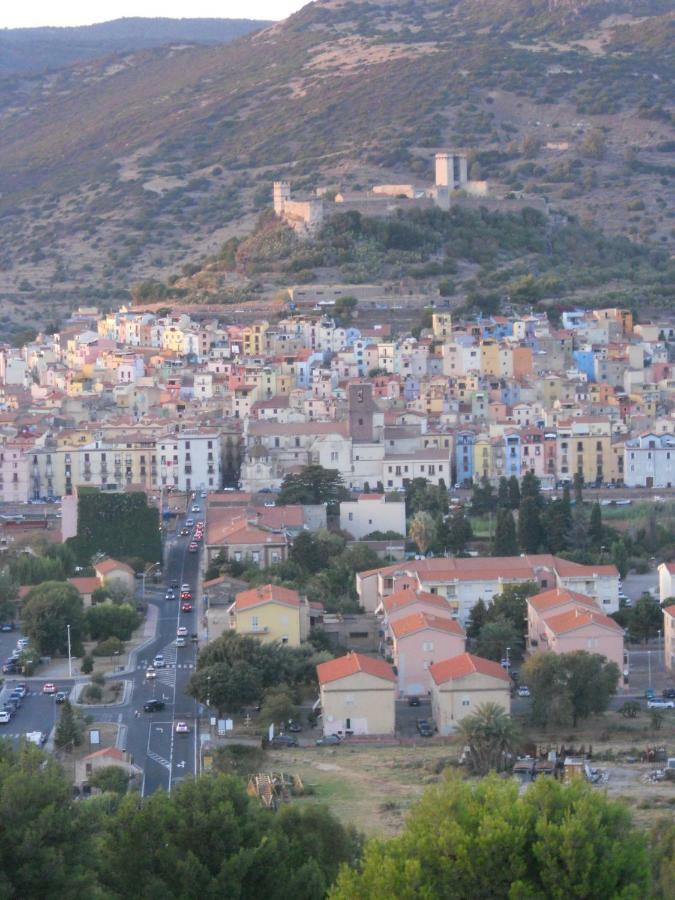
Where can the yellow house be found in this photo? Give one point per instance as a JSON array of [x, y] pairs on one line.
[[358, 695], [253, 338], [271, 613], [459, 685], [441, 324], [482, 457]]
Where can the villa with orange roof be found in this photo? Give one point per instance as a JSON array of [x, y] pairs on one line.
[[273, 613], [419, 639], [357, 695], [461, 684]]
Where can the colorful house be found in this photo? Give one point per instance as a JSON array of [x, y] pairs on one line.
[[271, 613], [418, 640], [357, 695], [460, 685]]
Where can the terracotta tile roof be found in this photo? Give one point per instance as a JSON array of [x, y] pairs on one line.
[[670, 566], [466, 664], [670, 610], [548, 600], [109, 565], [267, 593], [424, 621], [85, 585], [580, 618], [111, 752], [407, 597], [351, 664]]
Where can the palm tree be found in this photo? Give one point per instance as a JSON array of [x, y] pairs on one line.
[[490, 735], [422, 530]]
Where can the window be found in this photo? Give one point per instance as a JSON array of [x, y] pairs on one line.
[[351, 517], [255, 622]]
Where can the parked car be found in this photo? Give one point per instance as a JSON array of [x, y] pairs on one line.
[[413, 701], [283, 740], [660, 703], [22, 643], [61, 697], [182, 728], [9, 668], [669, 694], [328, 740], [294, 726], [523, 691], [649, 693], [154, 706], [49, 688], [7, 626], [21, 686], [425, 728], [5, 717]]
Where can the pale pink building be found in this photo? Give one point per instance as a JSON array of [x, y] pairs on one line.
[[406, 602], [419, 640], [551, 603], [582, 629]]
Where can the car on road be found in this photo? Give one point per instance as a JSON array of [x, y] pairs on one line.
[[9, 668], [203, 495], [328, 740], [424, 728], [7, 626], [283, 740], [186, 607], [5, 717], [21, 687], [186, 595], [159, 662], [294, 726], [649, 693], [413, 701], [523, 691], [181, 631], [668, 694], [150, 673], [190, 523], [660, 703], [174, 585], [61, 697], [184, 532], [194, 547], [49, 688], [181, 642], [169, 595], [196, 508], [154, 706], [185, 587], [182, 728]]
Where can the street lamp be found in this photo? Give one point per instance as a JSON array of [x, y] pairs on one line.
[[508, 659], [70, 660], [145, 574], [649, 664]]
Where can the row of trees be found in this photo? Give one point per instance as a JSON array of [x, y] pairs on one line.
[[234, 672], [52, 606], [205, 839]]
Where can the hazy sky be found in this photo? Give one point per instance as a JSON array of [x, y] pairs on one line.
[[79, 12]]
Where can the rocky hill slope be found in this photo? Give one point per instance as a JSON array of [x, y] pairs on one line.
[[113, 172]]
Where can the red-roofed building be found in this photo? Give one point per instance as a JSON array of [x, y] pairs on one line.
[[405, 602], [110, 571], [358, 695], [86, 767], [459, 685], [419, 639], [273, 613], [86, 587], [551, 603]]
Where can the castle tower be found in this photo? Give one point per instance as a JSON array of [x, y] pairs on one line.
[[451, 170], [362, 408], [282, 193]]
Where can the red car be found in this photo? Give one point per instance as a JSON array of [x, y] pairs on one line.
[[193, 548], [185, 595], [186, 607]]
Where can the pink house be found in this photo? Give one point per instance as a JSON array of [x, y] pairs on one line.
[[406, 602], [419, 640], [551, 603], [583, 629]]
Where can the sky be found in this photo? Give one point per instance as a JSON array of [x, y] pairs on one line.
[[83, 12]]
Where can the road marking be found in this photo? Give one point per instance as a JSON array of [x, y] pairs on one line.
[[158, 759]]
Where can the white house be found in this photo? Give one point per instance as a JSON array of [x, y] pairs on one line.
[[649, 461], [372, 512]]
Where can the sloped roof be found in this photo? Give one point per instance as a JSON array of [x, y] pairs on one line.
[[670, 610], [556, 597], [267, 593], [110, 565], [407, 597], [423, 621], [580, 618], [351, 664], [85, 585], [466, 664]]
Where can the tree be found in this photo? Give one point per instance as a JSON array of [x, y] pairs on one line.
[[113, 779], [277, 707], [344, 309], [420, 496], [531, 487], [481, 839], [70, 728], [505, 542], [313, 485], [594, 144], [9, 592], [503, 497], [87, 664], [458, 531], [662, 842], [483, 498], [567, 687], [595, 531], [495, 637], [578, 482], [422, 531], [47, 611], [118, 591], [529, 525], [120, 525], [557, 522], [227, 687], [514, 492], [314, 550], [491, 735], [46, 848], [477, 618], [578, 534], [645, 618], [108, 620], [620, 557], [511, 605]]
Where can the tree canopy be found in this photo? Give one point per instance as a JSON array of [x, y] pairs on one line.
[[484, 840], [313, 485], [119, 525], [47, 611]]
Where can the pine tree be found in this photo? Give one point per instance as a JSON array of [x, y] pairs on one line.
[[529, 525], [595, 526], [514, 492], [620, 557], [505, 541], [477, 618], [578, 488], [503, 498], [69, 731], [531, 487]]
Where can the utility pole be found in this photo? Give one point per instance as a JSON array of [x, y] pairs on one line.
[[70, 660]]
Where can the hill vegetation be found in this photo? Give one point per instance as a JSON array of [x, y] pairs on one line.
[[116, 173]]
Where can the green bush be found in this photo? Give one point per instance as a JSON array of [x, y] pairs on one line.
[[110, 647]]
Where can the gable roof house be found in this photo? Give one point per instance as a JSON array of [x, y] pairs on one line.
[[459, 685], [357, 695]]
